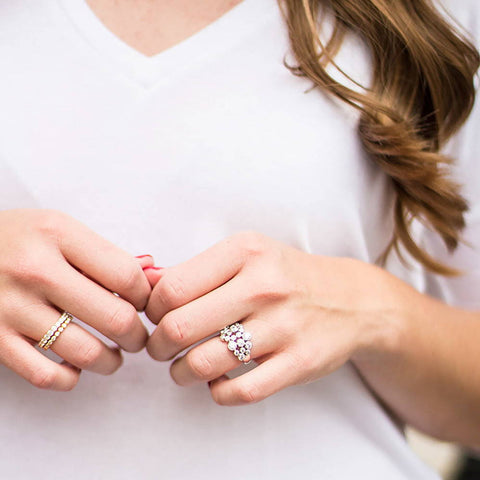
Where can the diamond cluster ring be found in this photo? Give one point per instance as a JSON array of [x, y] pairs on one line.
[[238, 341]]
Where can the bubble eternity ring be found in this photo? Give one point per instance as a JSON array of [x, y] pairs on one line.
[[238, 341]]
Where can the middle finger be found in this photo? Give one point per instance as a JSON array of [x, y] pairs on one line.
[[198, 319]]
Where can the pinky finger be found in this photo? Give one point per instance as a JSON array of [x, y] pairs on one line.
[[259, 383], [20, 356]]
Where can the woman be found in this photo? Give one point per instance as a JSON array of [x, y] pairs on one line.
[[192, 132]]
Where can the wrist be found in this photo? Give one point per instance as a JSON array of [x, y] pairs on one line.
[[384, 327]]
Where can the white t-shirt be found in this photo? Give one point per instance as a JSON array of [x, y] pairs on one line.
[[167, 155]]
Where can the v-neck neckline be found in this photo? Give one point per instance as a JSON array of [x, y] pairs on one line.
[[148, 71]]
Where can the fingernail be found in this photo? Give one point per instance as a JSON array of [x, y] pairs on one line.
[[153, 268], [143, 256]]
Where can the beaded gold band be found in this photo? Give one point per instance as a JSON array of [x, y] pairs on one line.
[[55, 331]]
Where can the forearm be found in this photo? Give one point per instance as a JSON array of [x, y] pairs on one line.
[[429, 375]]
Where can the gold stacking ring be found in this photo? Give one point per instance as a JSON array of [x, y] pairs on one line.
[[47, 341]]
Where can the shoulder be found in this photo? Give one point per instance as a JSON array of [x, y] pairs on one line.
[[464, 146]]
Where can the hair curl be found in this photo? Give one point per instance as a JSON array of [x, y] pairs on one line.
[[422, 91]]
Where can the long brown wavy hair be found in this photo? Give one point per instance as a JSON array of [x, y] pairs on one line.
[[422, 91]]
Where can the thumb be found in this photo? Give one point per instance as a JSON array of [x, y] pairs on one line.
[[153, 274]]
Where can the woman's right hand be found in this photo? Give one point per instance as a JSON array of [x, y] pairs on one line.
[[51, 263]]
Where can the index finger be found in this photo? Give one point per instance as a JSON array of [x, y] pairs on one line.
[[104, 262], [201, 274]]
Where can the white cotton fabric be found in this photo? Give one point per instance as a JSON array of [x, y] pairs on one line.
[[168, 155]]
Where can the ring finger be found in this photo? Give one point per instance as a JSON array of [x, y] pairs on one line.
[[212, 358], [75, 345]]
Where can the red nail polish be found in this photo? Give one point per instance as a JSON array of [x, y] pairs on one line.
[[153, 268], [143, 256]]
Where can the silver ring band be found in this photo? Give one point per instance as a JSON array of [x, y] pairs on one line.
[[239, 342]]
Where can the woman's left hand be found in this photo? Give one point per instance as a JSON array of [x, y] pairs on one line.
[[307, 314]]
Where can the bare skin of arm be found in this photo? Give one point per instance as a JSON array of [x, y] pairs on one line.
[[430, 375]]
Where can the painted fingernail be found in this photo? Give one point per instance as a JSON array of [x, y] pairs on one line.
[[153, 268], [143, 256]]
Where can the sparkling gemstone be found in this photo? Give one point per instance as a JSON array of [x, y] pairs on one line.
[[247, 336], [240, 342], [248, 345], [233, 328], [242, 350], [232, 346], [236, 353], [240, 327], [241, 357], [239, 334]]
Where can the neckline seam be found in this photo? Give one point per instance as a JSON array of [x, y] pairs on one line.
[[147, 72]]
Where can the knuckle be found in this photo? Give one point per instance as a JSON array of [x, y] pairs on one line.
[[154, 351], [271, 287], [200, 365], [173, 330], [287, 329], [171, 290], [25, 263], [152, 313], [122, 321], [43, 378], [70, 386], [251, 243], [32, 270], [27, 270], [88, 354], [305, 367], [217, 397], [12, 306], [129, 278], [49, 223], [248, 394], [267, 292], [143, 292]]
